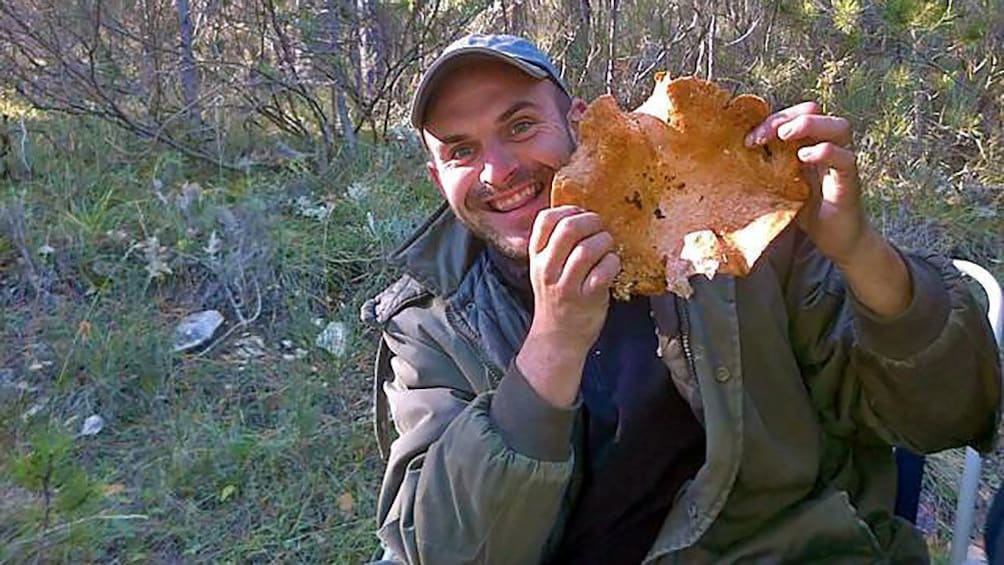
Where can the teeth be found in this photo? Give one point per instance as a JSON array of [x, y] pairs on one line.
[[512, 201]]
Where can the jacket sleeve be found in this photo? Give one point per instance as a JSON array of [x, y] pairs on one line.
[[471, 478], [928, 379]]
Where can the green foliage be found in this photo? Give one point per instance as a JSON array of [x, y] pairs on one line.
[[846, 14], [47, 467], [903, 15], [221, 455], [212, 456]]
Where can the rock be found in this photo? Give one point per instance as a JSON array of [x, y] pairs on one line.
[[35, 365], [34, 409], [333, 339], [196, 329], [92, 425], [249, 347], [297, 353], [191, 192], [311, 208]]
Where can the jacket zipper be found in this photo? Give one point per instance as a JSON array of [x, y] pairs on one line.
[[462, 327], [684, 317]]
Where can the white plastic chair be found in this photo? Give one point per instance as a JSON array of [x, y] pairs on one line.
[[966, 508]]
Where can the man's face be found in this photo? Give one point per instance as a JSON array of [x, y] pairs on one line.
[[496, 138]]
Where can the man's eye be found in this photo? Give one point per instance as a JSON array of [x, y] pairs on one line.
[[461, 153], [521, 127]]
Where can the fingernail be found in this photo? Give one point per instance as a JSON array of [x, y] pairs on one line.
[[804, 153], [750, 139], [784, 131]]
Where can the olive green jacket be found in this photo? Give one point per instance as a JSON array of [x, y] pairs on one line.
[[801, 392]]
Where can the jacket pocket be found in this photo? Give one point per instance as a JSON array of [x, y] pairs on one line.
[[840, 534], [824, 529]]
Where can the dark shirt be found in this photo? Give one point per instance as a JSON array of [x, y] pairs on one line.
[[642, 441]]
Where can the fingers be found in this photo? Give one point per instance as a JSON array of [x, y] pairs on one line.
[[767, 130], [602, 275], [814, 126], [570, 249], [568, 231], [841, 164], [584, 256], [544, 223], [828, 154]]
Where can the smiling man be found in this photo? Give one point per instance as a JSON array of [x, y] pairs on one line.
[[540, 422]]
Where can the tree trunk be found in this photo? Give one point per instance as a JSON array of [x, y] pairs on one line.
[[151, 64], [577, 59], [615, 6], [189, 73], [711, 43], [371, 48], [338, 105]]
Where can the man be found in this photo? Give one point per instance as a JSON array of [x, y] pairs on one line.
[[539, 421]]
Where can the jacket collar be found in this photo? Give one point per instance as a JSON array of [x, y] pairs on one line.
[[439, 253]]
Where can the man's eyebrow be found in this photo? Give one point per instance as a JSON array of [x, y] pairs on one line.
[[516, 107], [451, 139]]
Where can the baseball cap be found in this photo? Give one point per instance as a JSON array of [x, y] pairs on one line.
[[510, 49]]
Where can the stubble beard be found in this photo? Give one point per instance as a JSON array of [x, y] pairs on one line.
[[482, 229]]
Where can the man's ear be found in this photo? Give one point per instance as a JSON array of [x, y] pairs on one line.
[[434, 175], [575, 112]]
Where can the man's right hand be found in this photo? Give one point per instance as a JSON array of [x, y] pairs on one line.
[[572, 266]]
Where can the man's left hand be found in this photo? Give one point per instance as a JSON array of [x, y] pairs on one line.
[[833, 216]]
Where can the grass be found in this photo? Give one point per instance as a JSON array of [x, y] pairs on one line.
[[265, 454], [222, 456]]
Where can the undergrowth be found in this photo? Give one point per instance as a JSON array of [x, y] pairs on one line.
[[258, 447]]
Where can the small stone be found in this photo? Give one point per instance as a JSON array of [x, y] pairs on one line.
[[249, 347], [298, 353], [196, 329], [46, 250], [286, 344], [333, 339], [92, 425], [34, 409], [191, 192], [37, 365]]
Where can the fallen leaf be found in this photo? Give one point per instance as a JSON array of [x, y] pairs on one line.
[[84, 330], [227, 493], [345, 503], [113, 489]]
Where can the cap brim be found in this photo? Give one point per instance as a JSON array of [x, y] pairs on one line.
[[439, 69]]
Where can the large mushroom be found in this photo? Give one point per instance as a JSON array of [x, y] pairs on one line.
[[677, 187]]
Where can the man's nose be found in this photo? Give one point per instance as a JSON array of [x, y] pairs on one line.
[[499, 167]]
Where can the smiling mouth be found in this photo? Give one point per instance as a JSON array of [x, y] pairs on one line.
[[516, 199]]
